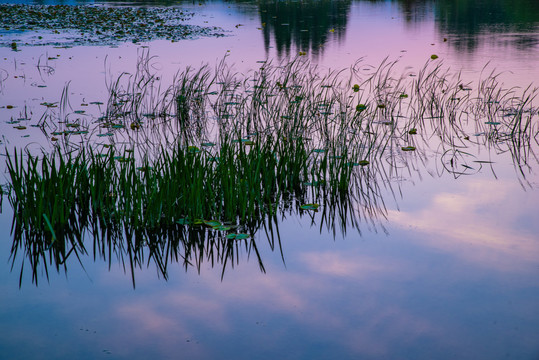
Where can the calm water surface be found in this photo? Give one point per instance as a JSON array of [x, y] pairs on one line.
[[448, 270]]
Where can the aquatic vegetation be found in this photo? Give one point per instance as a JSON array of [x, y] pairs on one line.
[[98, 25], [217, 156]]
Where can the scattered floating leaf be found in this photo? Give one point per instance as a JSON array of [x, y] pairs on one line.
[[363, 162], [408, 148], [309, 206], [234, 236], [212, 223], [412, 131], [361, 107], [434, 56], [222, 228]]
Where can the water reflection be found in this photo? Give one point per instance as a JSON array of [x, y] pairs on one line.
[[308, 26], [289, 138], [189, 246], [303, 25]]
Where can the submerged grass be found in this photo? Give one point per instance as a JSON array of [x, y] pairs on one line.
[[193, 171]]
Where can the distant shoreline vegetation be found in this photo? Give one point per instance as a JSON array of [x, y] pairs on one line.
[[70, 25]]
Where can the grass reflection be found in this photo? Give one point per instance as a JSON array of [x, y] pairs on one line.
[[195, 172]]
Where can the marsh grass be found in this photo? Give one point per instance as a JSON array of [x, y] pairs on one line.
[[192, 172]]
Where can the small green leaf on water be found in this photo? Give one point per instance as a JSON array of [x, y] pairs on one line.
[[403, 96], [144, 168], [208, 144], [361, 107], [222, 228], [434, 56], [183, 221], [193, 149], [355, 88], [20, 127], [309, 206], [363, 162], [240, 236], [412, 131], [212, 223], [492, 123], [408, 148], [319, 150]]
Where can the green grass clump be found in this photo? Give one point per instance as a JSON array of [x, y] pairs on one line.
[[192, 172]]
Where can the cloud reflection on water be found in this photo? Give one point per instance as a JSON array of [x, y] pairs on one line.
[[481, 222]]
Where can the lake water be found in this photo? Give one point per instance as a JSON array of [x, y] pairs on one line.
[[444, 265]]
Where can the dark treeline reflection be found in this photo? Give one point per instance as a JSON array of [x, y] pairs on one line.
[[306, 25], [464, 20]]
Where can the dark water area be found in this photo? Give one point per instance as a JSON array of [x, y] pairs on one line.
[[434, 255]]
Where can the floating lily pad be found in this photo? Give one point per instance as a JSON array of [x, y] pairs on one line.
[[222, 228], [355, 87], [309, 206], [361, 107], [363, 162], [212, 223], [408, 148], [234, 236]]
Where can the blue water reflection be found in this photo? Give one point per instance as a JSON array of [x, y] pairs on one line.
[[450, 274]]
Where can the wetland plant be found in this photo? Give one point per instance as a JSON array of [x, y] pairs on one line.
[[193, 171]]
